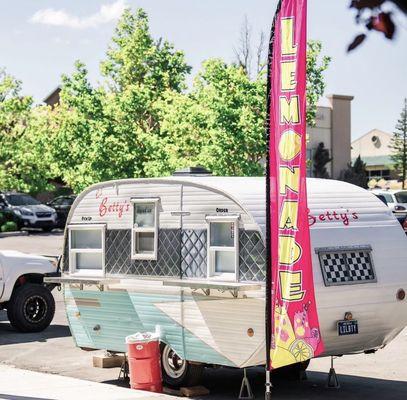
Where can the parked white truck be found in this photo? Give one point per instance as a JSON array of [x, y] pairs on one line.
[[28, 300]]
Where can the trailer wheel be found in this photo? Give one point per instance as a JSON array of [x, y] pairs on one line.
[[177, 372], [31, 308]]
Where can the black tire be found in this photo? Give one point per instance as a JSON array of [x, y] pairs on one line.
[[177, 372], [31, 308]]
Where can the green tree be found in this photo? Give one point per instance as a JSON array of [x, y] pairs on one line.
[[253, 59], [220, 123], [356, 173], [134, 57], [142, 121], [316, 66], [79, 123], [399, 144], [321, 159], [113, 131], [22, 166]]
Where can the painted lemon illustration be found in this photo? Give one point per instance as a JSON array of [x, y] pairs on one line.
[[301, 350], [290, 145], [282, 357]]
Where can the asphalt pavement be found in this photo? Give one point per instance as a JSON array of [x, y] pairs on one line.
[[382, 375], [21, 384]]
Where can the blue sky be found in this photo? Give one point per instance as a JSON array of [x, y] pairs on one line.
[[41, 39]]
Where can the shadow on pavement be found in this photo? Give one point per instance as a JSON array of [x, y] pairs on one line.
[[8, 335], [122, 382], [225, 384], [37, 232]]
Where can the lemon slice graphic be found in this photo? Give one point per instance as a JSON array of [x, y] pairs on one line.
[[301, 350]]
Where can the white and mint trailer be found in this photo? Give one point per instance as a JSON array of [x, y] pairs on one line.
[[185, 256]]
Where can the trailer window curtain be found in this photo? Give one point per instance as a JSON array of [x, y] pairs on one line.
[[144, 237], [87, 249], [223, 247]]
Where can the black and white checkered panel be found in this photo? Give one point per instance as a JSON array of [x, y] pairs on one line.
[[334, 268], [360, 266], [344, 267]]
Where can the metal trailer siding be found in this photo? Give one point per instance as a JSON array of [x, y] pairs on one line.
[[341, 215]]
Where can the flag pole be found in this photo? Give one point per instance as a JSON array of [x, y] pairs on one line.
[[268, 308]]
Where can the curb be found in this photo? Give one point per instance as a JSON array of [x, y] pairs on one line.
[[11, 234]]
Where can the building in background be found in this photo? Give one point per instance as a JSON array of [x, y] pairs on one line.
[[333, 128], [374, 150]]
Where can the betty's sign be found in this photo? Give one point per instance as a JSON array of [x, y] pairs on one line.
[[115, 207], [295, 334]]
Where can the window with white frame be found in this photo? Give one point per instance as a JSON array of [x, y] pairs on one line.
[[223, 246], [87, 249], [144, 237]]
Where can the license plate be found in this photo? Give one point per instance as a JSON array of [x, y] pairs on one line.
[[348, 327]]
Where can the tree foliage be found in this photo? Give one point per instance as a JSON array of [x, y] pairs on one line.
[[113, 131], [21, 165], [316, 66], [142, 120], [321, 159], [356, 173], [376, 16], [399, 144], [220, 123]]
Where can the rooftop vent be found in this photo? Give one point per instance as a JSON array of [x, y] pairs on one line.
[[192, 171], [376, 141]]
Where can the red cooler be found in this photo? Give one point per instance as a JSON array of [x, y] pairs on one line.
[[144, 362]]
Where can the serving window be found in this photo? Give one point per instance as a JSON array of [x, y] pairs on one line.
[[87, 249], [144, 237], [345, 266], [223, 246]]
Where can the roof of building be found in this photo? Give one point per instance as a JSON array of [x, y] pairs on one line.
[[372, 161], [371, 131], [53, 97]]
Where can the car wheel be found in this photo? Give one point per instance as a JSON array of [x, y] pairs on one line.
[[177, 372], [31, 308]]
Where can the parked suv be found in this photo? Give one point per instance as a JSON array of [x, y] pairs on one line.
[[62, 206], [29, 212]]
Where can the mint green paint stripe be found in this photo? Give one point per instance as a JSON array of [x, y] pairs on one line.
[[121, 314]]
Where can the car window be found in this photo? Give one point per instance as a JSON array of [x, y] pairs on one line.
[[382, 198], [401, 197], [57, 202], [67, 201], [21, 200], [388, 197]]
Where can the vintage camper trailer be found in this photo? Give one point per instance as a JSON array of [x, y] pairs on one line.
[[185, 255]]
